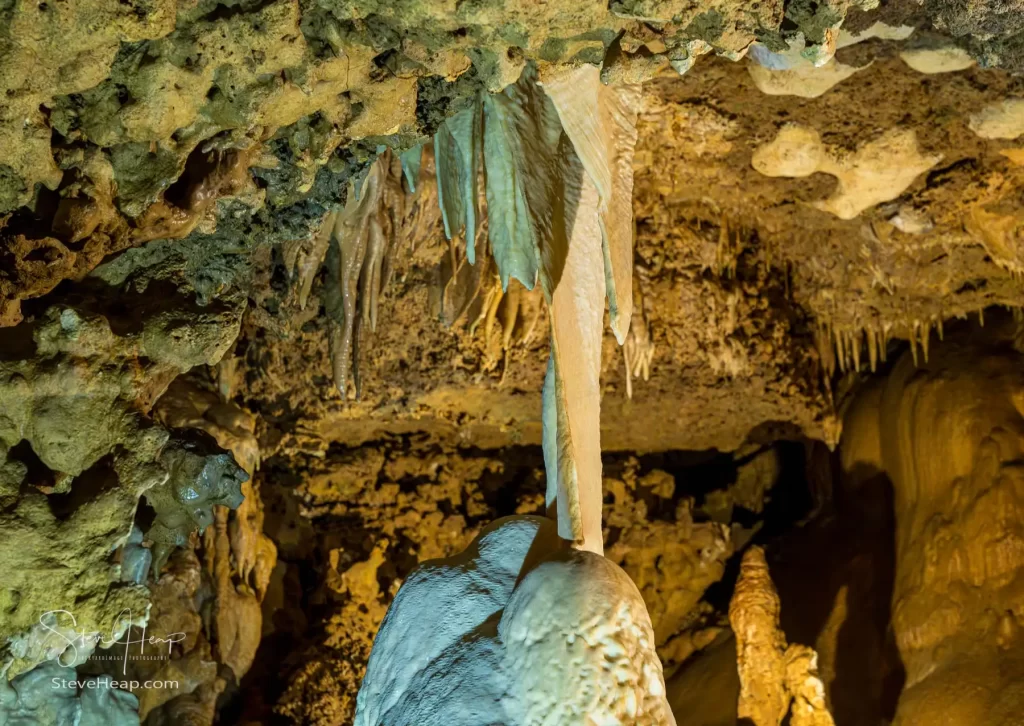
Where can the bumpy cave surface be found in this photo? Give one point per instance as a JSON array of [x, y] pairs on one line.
[[280, 281]]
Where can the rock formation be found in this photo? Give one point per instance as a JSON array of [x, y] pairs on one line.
[[284, 257], [532, 630], [776, 680], [947, 436]]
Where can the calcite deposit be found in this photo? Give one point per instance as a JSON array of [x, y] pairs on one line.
[[532, 630], [297, 298], [776, 680], [957, 555]]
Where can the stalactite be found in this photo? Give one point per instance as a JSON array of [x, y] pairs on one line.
[[600, 120], [511, 311], [872, 337], [638, 352], [823, 344], [457, 148], [577, 319], [359, 245], [521, 135], [349, 239], [411, 161]]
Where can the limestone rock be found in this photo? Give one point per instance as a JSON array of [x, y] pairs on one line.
[[47, 696], [1002, 120], [944, 59], [804, 80], [200, 477], [80, 372], [878, 171], [878, 30]]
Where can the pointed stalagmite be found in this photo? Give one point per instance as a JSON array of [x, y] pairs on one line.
[[807, 690], [773, 677], [760, 646]]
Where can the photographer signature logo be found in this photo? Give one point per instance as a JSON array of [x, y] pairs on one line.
[[76, 639]]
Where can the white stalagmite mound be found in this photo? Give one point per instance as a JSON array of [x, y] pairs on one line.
[[518, 629]]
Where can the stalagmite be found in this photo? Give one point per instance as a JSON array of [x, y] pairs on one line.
[[760, 645], [516, 630], [775, 680], [804, 684]]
